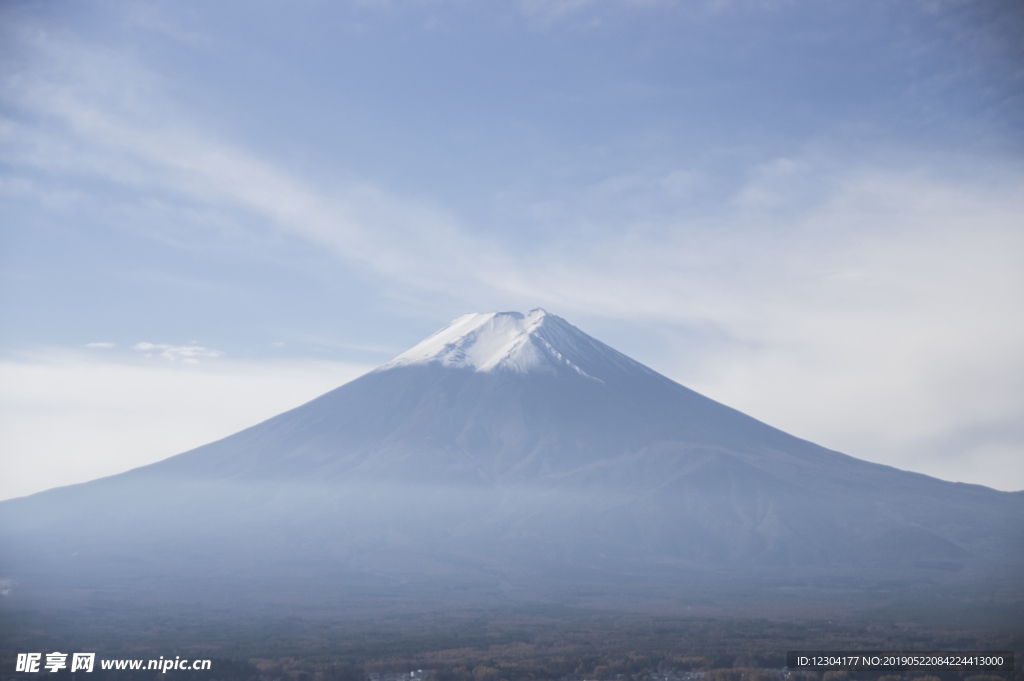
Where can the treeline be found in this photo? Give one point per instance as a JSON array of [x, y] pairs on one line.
[[537, 648], [581, 668]]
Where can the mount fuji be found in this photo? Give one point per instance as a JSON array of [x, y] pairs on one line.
[[511, 457]]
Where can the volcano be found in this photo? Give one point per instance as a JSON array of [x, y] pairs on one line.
[[513, 457]]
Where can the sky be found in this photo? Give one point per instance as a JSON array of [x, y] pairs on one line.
[[213, 212]]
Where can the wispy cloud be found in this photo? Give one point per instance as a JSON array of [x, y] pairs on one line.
[[190, 354], [94, 115]]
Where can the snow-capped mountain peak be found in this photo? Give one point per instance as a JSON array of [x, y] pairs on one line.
[[490, 341]]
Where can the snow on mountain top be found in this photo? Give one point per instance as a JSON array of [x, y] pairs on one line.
[[500, 340]]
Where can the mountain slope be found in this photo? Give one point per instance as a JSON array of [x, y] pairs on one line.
[[500, 398]]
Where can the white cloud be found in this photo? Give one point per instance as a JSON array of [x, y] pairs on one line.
[[67, 418], [882, 320]]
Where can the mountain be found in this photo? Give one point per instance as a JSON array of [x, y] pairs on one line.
[[512, 456]]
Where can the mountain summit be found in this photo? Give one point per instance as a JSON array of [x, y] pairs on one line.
[[511, 341], [514, 449]]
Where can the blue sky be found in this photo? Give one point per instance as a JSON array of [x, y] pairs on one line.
[[811, 211]]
